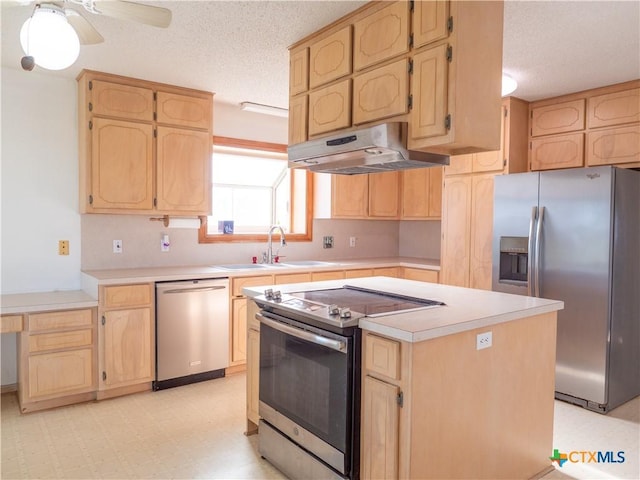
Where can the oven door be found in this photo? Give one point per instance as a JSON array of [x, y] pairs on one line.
[[306, 379]]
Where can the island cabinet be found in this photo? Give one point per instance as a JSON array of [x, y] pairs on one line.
[[57, 359], [441, 408], [144, 147], [126, 339], [594, 127], [435, 65]]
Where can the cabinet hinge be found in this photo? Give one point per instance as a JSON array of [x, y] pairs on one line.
[[90, 85], [450, 24], [400, 399], [411, 5], [410, 67], [155, 96], [90, 107], [155, 116], [411, 40], [450, 53], [447, 122], [90, 125], [104, 376], [155, 202], [410, 102], [504, 162], [90, 199], [104, 320], [506, 112], [155, 133]]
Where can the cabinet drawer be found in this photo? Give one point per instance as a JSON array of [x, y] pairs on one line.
[[60, 340], [382, 35], [614, 108], [127, 295], [387, 272], [334, 275], [60, 373], [237, 284], [63, 319], [381, 93], [123, 101], [420, 274], [184, 110], [330, 58], [558, 118], [382, 356], [299, 71], [330, 108], [613, 146], [293, 278], [559, 151], [359, 272], [10, 323]]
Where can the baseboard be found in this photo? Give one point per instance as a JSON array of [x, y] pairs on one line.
[[235, 369], [12, 387]]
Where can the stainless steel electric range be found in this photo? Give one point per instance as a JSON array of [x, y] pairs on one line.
[[310, 376]]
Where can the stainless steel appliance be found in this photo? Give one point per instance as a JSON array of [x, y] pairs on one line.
[[192, 331], [574, 235], [380, 148], [310, 377]]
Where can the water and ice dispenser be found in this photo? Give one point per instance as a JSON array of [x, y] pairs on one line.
[[514, 259]]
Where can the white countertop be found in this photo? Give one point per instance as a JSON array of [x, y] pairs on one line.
[[465, 309], [45, 301]]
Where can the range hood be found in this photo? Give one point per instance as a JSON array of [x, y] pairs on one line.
[[381, 148]]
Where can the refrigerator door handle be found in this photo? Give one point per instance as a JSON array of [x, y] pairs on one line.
[[530, 250], [537, 251]]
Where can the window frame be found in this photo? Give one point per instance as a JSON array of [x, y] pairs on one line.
[[204, 237]]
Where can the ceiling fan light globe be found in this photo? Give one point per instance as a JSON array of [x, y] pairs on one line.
[[48, 37]]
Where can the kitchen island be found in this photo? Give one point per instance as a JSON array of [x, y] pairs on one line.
[[464, 390]]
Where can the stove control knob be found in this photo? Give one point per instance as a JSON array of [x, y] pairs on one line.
[[334, 310], [268, 293], [345, 312], [277, 296]]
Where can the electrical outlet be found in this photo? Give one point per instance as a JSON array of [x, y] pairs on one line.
[[352, 241], [484, 340], [117, 246], [327, 242], [165, 244], [63, 247]]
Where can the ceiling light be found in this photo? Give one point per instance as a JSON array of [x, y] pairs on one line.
[[509, 85], [49, 39], [264, 109]]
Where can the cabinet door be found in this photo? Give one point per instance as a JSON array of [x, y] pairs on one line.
[[435, 192], [430, 22], [298, 116], [415, 193], [459, 164], [330, 58], [253, 375], [61, 373], [349, 196], [184, 110], [121, 165], [299, 71], [381, 93], [429, 90], [183, 171], [488, 161], [384, 194], [330, 108], [559, 151], [558, 118], [380, 429], [239, 331], [456, 231], [614, 108], [123, 101], [613, 146], [480, 258], [382, 35], [127, 347]]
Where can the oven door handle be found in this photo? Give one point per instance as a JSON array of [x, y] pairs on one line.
[[337, 345]]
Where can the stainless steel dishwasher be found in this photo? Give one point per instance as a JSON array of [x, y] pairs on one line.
[[192, 331]]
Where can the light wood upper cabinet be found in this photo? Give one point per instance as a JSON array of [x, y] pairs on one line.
[[121, 165], [298, 118], [381, 35], [558, 118], [298, 71], [330, 58], [422, 193], [184, 110], [384, 190], [557, 151], [614, 108], [381, 93], [183, 161], [430, 22], [119, 100], [349, 196], [613, 146], [330, 108]]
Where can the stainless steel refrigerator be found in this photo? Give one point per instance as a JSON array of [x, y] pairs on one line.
[[574, 235]]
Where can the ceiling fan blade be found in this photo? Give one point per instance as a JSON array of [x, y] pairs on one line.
[[86, 33], [150, 15]]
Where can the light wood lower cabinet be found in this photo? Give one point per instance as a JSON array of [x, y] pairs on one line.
[[420, 274], [448, 397], [57, 359], [238, 331], [126, 339], [253, 368]]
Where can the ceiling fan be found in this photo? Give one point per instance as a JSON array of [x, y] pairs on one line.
[[52, 35]]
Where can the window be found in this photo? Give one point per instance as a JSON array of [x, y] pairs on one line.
[[253, 189]]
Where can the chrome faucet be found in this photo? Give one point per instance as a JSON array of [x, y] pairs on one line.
[[283, 242]]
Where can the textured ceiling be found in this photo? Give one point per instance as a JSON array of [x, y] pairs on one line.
[[238, 49]]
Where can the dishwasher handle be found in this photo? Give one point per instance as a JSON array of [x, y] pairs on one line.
[[195, 289]]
